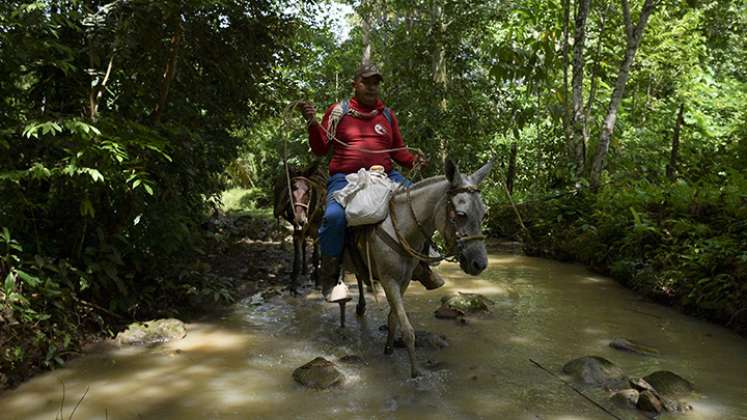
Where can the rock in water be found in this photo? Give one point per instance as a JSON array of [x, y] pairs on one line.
[[445, 312], [152, 332], [641, 385], [647, 401], [631, 346], [467, 302], [425, 340], [669, 384], [319, 373], [597, 371], [625, 398]]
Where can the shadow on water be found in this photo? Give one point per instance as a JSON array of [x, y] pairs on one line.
[[240, 364]]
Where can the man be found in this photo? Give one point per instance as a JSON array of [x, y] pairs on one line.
[[367, 126]]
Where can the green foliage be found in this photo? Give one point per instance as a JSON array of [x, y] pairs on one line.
[[117, 122], [680, 242]]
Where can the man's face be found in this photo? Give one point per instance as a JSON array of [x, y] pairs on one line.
[[367, 89]]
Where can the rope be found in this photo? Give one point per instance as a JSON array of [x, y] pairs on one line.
[[332, 137], [368, 264], [287, 170], [406, 245]]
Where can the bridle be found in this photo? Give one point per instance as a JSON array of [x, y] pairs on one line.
[[461, 237]]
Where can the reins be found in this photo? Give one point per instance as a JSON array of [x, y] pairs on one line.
[[289, 180], [405, 245]]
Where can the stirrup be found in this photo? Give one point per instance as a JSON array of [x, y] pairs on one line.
[[339, 293]]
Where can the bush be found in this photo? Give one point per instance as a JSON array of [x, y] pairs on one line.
[[681, 243]]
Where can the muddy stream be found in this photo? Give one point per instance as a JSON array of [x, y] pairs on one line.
[[239, 364]]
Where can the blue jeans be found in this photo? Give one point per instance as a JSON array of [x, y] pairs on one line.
[[332, 231]]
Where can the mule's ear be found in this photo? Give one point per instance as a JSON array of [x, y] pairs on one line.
[[481, 173], [451, 171]]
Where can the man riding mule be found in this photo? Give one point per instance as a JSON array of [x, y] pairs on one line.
[[367, 134], [451, 205]]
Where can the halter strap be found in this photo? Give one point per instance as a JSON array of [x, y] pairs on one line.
[[405, 246]]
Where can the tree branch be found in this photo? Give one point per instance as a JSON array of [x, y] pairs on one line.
[[170, 71], [98, 90], [626, 19]]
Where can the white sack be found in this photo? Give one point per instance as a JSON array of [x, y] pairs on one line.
[[366, 197]]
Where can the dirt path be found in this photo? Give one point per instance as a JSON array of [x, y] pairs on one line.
[[254, 252]]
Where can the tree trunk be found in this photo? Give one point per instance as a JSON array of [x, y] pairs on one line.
[[170, 71], [579, 146], [438, 70], [97, 91], [511, 169], [633, 36], [567, 132], [673, 157], [594, 82]]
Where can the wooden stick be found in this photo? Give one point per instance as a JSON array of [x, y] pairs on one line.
[[577, 391], [521, 222], [76, 405]]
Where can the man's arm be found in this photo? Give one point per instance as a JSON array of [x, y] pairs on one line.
[[403, 157], [318, 140]]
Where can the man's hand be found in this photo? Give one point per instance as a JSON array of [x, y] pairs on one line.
[[308, 111], [419, 160]]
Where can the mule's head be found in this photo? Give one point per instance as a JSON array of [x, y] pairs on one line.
[[464, 213], [301, 192]]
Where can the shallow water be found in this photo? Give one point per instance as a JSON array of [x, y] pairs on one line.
[[239, 365]]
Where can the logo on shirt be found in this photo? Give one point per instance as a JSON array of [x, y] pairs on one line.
[[379, 129]]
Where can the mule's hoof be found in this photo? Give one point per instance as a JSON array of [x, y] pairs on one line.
[[388, 349], [360, 310], [414, 373]]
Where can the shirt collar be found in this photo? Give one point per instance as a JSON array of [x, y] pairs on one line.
[[363, 108]]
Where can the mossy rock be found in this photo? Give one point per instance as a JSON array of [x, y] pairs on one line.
[[467, 302], [627, 398], [596, 371], [669, 384], [633, 347], [152, 332], [319, 373]]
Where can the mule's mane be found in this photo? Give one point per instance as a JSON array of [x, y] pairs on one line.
[[422, 184]]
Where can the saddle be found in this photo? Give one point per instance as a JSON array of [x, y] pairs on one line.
[[355, 247]]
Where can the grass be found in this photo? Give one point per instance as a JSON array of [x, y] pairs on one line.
[[245, 201]]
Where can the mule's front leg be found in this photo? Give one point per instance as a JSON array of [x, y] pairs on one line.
[[396, 303], [391, 331], [315, 262], [297, 245], [360, 308], [303, 256]]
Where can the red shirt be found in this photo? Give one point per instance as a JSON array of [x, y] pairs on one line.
[[371, 134]]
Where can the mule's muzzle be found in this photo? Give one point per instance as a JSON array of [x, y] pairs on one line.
[[300, 218], [473, 260]]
